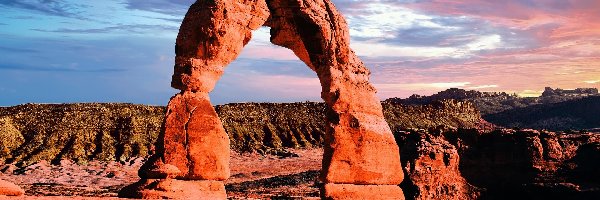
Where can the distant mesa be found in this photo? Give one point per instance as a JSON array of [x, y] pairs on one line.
[[576, 92], [557, 109], [462, 94]]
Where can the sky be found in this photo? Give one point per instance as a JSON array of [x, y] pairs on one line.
[[63, 51]]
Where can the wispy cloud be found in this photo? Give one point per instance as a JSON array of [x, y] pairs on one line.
[[58, 69], [130, 28], [17, 50], [170, 7], [48, 7], [478, 87]]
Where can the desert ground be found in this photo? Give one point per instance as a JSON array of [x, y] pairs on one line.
[[253, 176]]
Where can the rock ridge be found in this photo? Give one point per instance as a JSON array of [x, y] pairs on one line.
[[111, 131]]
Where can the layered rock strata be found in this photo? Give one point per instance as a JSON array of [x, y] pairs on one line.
[[501, 164], [530, 164]]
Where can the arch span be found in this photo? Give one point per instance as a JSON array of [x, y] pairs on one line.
[[361, 159]]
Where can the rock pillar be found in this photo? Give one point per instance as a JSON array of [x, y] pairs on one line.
[[192, 158]]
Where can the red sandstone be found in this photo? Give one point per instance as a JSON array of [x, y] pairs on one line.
[[360, 151], [10, 189]]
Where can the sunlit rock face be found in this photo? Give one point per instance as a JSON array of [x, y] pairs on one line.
[[361, 157], [192, 158], [359, 147]]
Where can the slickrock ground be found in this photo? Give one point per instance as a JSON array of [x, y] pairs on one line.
[[253, 176]]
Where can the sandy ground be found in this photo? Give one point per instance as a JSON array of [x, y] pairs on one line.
[[253, 176]]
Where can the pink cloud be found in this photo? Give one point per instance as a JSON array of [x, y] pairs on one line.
[[565, 53]]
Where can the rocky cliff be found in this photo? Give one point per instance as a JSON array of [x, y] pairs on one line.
[[83, 132], [502, 164], [79, 132]]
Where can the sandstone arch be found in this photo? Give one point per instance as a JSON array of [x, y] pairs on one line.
[[361, 157]]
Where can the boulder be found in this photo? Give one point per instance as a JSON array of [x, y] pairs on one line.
[[10, 189]]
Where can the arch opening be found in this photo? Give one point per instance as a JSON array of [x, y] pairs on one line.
[[264, 72]]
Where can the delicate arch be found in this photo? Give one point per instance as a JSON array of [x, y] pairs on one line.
[[361, 158]]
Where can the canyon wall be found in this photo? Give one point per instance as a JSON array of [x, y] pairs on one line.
[[501, 164]]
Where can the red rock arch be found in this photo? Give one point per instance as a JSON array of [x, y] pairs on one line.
[[361, 158]]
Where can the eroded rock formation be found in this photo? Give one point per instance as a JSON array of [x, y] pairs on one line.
[[431, 165], [192, 157], [530, 164], [359, 147], [361, 157], [501, 164], [496, 162]]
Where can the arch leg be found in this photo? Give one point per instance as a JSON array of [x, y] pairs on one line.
[[361, 158], [192, 154]]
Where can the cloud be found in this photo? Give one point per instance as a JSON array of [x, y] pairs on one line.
[[130, 28], [394, 29], [48, 7], [177, 20], [411, 46], [420, 86], [169, 7], [58, 69], [482, 87], [272, 67], [17, 50]]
